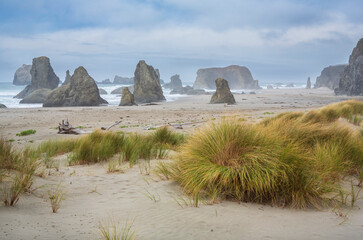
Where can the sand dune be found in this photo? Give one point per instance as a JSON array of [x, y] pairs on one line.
[[93, 195]]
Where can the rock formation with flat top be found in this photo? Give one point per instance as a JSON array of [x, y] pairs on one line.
[[223, 93], [147, 86], [238, 77], [330, 77], [43, 76], [81, 91]]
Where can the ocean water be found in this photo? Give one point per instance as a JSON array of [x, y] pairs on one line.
[[8, 91]]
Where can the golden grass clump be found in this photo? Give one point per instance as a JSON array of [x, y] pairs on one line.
[[163, 135], [97, 147], [242, 162], [16, 173], [294, 159]]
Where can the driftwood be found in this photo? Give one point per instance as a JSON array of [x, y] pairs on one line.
[[66, 128], [116, 123], [175, 125]]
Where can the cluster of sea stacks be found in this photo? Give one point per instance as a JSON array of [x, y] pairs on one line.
[[80, 89]]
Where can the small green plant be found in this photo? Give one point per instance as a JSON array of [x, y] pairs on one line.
[[113, 231], [145, 167], [56, 196], [152, 197], [13, 189], [163, 170], [11, 140], [27, 132], [114, 166]]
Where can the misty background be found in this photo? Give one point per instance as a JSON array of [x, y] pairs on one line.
[[278, 40]]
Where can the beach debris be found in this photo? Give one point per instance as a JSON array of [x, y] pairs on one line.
[[116, 123], [66, 128]]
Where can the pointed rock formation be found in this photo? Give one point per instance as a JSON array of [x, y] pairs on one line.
[[2, 106], [175, 82], [147, 86], [22, 75], [330, 77], [238, 77], [81, 91], [308, 84], [43, 76], [67, 79], [351, 81], [223, 93], [127, 98]]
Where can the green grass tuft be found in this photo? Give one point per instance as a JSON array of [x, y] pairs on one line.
[[27, 132]]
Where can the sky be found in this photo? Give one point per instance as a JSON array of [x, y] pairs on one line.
[[278, 40]]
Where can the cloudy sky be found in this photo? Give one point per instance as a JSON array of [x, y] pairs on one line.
[[278, 40]]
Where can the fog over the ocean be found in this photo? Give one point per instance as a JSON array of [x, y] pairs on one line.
[[278, 40]]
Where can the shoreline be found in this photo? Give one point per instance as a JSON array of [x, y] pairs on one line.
[[94, 196]]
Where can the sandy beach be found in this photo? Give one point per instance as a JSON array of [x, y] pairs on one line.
[[94, 196]]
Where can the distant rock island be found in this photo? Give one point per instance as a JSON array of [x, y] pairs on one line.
[[22, 75], [351, 80], [238, 77], [175, 82], [330, 76], [123, 80], [42, 75]]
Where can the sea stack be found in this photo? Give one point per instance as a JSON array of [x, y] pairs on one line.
[[308, 84], [175, 82], [42, 75], [223, 93], [22, 75], [330, 77], [147, 86], [82, 90], [238, 77], [68, 78], [127, 98], [351, 80]]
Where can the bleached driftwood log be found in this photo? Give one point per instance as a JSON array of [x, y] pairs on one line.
[[66, 128]]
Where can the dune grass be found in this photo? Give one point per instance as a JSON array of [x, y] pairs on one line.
[[295, 159], [16, 173], [56, 196], [115, 231], [102, 145]]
